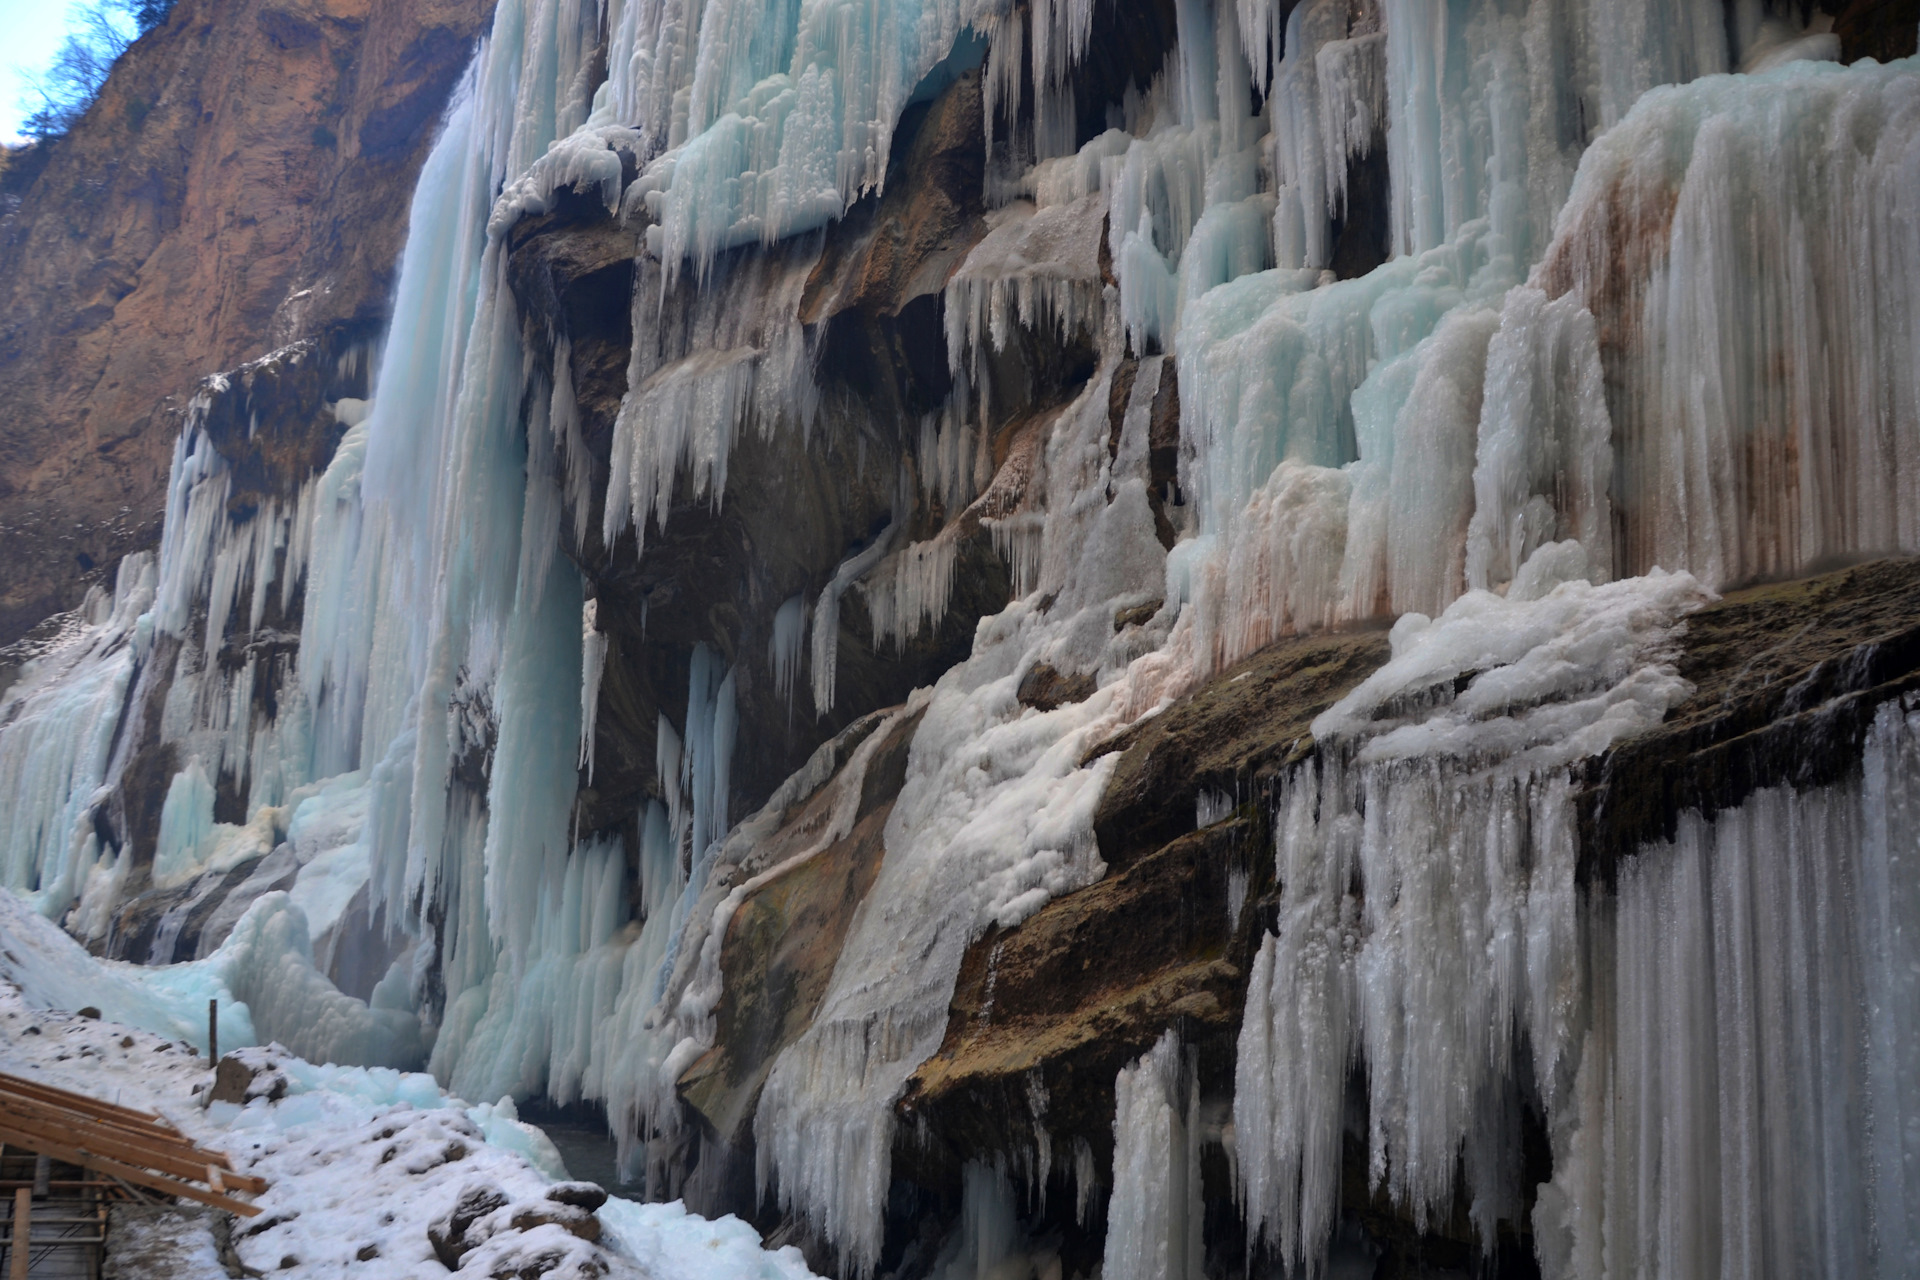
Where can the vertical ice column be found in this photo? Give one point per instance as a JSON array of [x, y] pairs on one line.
[[1429, 926], [1544, 459], [1745, 1102], [1329, 98], [1744, 247], [1156, 1212]]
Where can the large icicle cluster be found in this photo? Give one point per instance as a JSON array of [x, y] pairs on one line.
[[1429, 913], [1745, 1095], [1749, 248], [1156, 1214]]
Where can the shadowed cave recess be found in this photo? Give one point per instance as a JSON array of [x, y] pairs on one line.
[[1150, 639]]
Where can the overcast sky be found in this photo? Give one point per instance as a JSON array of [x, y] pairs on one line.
[[30, 30]]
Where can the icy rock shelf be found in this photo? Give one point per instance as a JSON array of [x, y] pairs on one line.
[[1640, 329]]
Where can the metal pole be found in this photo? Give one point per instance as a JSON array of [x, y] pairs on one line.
[[213, 1031]]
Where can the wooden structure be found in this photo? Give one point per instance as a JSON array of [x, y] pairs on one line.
[[64, 1157]]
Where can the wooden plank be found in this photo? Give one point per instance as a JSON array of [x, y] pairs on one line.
[[22, 1238], [77, 1101], [42, 1114], [191, 1164], [157, 1129], [159, 1140], [144, 1177]]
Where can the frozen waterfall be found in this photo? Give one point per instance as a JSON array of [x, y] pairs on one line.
[[1642, 329]]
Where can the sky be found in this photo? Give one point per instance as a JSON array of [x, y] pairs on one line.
[[30, 30]]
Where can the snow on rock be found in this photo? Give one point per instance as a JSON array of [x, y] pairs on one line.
[[379, 1173]]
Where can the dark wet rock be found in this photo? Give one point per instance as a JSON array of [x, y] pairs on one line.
[[1787, 677], [1045, 1014], [449, 1234], [716, 572], [1232, 735], [784, 939], [1045, 687], [1880, 29]]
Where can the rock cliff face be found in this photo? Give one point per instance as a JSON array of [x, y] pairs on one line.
[[241, 183]]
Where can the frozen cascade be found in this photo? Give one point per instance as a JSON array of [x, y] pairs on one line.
[[1746, 1090], [1155, 1216], [59, 719], [1489, 411], [1430, 913], [1746, 246]]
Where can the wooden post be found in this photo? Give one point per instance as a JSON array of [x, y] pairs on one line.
[[213, 1031], [22, 1221], [42, 1176]]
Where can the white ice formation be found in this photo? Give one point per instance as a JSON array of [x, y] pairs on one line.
[[1639, 329]]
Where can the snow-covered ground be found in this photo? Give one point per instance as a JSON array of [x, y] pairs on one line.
[[361, 1162]]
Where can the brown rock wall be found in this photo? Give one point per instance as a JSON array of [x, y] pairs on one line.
[[242, 181]]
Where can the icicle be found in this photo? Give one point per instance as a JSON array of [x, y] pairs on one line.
[[1429, 917], [785, 649], [1744, 1099], [593, 662], [1155, 1216], [825, 657]]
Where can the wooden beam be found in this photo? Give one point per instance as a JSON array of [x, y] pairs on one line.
[[143, 1177], [77, 1101], [148, 1128], [191, 1163], [164, 1139], [22, 1235]]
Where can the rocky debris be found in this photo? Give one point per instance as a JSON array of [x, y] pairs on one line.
[[449, 1235], [246, 1074], [489, 1234], [175, 1241], [582, 1195], [572, 1219]]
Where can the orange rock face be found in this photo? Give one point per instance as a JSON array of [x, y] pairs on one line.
[[242, 181]]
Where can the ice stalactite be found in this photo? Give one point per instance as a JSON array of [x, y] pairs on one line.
[[1038, 268], [1155, 1215], [1746, 1090], [593, 666], [705, 364], [823, 658], [56, 745], [1329, 104], [787, 645], [1430, 919], [991, 1242], [1746, 245], [908, 591]]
